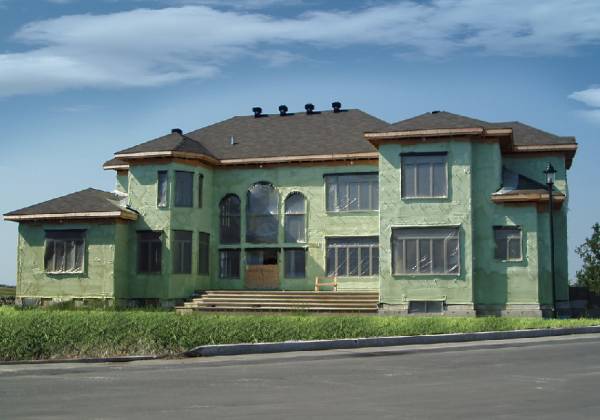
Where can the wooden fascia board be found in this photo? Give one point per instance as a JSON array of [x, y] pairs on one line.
[[306, 158], [424, 133], [527, 196], [546, 148], [123, 214], [116, 167], [174, 154]]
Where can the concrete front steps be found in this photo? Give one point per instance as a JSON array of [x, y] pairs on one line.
[[283, 301]]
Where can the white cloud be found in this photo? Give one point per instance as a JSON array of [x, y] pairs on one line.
[[590, 97], [148, 47]]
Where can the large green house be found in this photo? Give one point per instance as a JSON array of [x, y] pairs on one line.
[[437, 213]]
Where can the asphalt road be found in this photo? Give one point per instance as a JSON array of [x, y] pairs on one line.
[[555, 378]]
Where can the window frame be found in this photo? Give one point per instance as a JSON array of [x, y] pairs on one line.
[[431, 239], [295, 214], [507, 240], [203, 253], [239, 258], [65, 237], [335, 208], [285, 263], [222, 216], [182, 248], [178, 191], [159, 204], [404, 176], [373, 255], [252, 236], [139, 241]]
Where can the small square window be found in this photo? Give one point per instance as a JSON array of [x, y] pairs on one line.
[[508, 243]]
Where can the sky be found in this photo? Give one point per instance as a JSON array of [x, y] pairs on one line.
[[80, 80]]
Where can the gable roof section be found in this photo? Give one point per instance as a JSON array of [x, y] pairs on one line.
[[174, 142], [86, 204]]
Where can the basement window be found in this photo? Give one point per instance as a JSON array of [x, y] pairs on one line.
[[184, 186], [149, 252], [64, 251], [426, 307], [295, 263], [182, 252], [353, 256], [432, 250], [424, 175], [352, 192], [229, 263], [508, 243], [162, 197]]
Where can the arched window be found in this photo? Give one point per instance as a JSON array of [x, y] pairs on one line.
[[262, 213], [295, 218], [230, 219]]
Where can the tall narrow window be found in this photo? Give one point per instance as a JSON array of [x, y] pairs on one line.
[[64, 251], [425, 250], [424, 175], [182, 252], [353, 256], [162, 197], [203, 253], [149, 252], [295, 263], [353, 192], [230, 220], [508, 243], [262, 214], [200, 189], [295, 218], [229, 263], [184, 185]]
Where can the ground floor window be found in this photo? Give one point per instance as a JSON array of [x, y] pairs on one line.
[[353, 256], [508, 243], [425, 306], [64, 251], [425, 250], [229, 263], [203, 253], [182, 252], [149, 252], [295, 263]]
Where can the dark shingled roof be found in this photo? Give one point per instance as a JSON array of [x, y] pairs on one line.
[[86, 201], [523, 134], [115, 162], [297, 134]]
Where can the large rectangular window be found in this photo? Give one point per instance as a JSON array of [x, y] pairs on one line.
[[64, 251], [353, 192], [508, 243], [295, 263], [203, 252], [425, 250], [229, 263], [353, 257], [149, 252], [182, 252], [162, 196], [424, 175], [184, 189]]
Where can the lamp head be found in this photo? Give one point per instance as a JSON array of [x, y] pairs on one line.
[[550, 174]]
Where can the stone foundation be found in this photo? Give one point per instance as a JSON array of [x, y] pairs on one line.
[[449, 310]]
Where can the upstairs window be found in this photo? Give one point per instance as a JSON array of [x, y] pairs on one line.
[[200, 189], [229, 220], [424, 175], [295, 218], [184, 185], [162, 197], [182, 252], [508, 243], [425, 251], [352, 192], [353, 256], [64, 251], [262, 210], [149, 252], [203, 253]]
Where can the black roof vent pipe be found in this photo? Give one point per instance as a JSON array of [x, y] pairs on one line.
[[337, 106], [435, 112], [257, 111], [310, 109], [176, 131], [283, 110]]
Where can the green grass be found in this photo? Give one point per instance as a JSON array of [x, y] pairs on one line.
[[49, 334]]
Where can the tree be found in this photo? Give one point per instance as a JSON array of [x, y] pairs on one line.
[[589, 252]]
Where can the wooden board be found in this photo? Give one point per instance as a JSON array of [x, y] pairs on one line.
[[262, 276]]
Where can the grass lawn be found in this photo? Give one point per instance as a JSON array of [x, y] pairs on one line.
[[50, 333]]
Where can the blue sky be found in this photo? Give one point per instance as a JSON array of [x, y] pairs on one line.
[[80, 80]]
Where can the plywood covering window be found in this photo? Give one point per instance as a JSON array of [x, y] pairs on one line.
[[229, 220], [262, 211], [64, 251], [295, 218], [229, 263], [508, 243], [182, 252], [352, 192], [149, 246], [203, 252], [294, 263], [424, 175], [184, 189], [162, 197], [353, 256], [426, 250]]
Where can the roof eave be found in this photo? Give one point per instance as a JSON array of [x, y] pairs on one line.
[[122, 214], [379, 137], [167, 154]]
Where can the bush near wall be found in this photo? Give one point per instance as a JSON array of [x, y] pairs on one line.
[[51, 334]]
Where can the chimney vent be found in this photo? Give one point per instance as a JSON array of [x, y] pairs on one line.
[[176, 131], [435, 112], [337, 106], [257, 111], [310, 109], [283, 110]]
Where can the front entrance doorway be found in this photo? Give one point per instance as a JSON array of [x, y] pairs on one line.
[[262, 269]]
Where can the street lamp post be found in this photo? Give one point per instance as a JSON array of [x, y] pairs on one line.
[[550, 176]]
